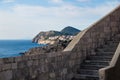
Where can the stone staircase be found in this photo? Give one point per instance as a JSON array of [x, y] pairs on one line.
[[89, 68]]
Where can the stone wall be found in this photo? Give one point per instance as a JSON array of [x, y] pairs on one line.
[[52, 66], [96, 35]]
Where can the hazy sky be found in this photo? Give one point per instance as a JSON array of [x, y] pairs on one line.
[[23, 19]]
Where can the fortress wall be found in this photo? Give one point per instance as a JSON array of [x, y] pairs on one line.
[[96, 35], [52, 66]]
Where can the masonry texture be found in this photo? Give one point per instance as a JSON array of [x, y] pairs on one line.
[[62, 65]]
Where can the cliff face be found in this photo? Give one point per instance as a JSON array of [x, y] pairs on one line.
[[50, 37], [46, 35], [57, 47]]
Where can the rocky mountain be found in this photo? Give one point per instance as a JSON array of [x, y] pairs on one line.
[[46, 35], [70, 30], [51, 36]]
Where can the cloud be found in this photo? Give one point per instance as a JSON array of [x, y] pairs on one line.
[[26, 10], [57, 1], [64, 11], [83, 0], [8, 1], [25, 21]]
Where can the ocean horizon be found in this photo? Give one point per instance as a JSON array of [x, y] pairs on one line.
[[12, 48]]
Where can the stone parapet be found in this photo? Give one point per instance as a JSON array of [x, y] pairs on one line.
[[50, 66]]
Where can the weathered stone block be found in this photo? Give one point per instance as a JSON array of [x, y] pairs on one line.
[[6, 66], [43, 76], [69, 76], [29, 63], [34, 57], [21, 64], [6, 75], [64, 71], [71, 63], [14, 65], [52, 75], [1, 61], [25, 58], [18, 59], [35, 62], [8, 60]]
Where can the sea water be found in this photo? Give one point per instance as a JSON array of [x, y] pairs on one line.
[[12, 48]]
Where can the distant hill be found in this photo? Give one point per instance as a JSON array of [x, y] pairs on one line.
[[70, 30], [49, 34], [45, 35]]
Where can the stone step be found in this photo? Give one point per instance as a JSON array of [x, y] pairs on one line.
[[89, 68], [92, 67], [106, 49], [105, 53], [112, 42], [97, 62], [100, 58], [113, 47], [117, 37], [110, 45], [88, 72], [85, 77]]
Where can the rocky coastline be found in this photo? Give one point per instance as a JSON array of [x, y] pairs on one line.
[[55, 41], [58, 46], [52, 37]]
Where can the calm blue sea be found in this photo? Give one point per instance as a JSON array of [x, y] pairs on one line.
[[11, 48]]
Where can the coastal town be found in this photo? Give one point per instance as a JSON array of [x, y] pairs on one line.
[[54, 39]]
